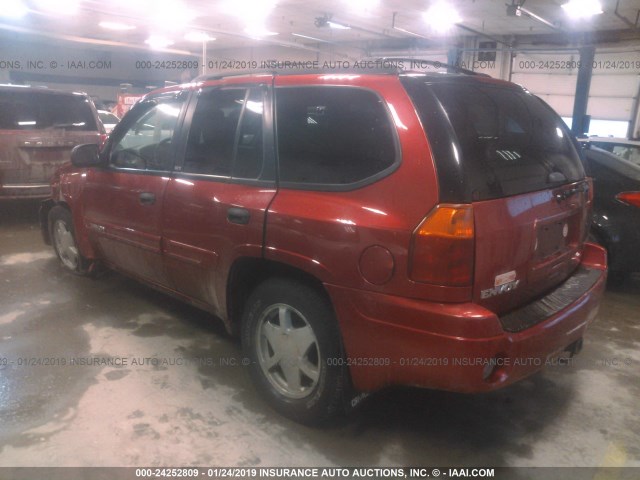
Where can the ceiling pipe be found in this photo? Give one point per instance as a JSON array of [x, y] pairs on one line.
[[534, 16], [322, 22]]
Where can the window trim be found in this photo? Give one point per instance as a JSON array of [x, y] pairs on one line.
[[343, 187]]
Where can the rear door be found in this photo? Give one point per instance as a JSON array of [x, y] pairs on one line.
[[521, 172], [123, 202], [215, 206], [38, 129]]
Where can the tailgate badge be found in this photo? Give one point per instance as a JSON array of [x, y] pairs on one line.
[[504, 283]]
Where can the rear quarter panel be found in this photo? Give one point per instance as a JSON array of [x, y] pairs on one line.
[[325, 233]]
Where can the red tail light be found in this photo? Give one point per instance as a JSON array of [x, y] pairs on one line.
[[103, 140], [442, 250], [630, 198]]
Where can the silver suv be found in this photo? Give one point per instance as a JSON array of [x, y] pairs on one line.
[[38, 129]]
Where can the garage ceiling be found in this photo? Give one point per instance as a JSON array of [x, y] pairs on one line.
[[295, 21]]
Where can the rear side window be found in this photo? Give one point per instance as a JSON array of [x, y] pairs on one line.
[[509, 141], [336, 136], [225, 138], [29, 110]]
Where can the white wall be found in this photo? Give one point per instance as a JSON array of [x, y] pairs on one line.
[[551, 76]]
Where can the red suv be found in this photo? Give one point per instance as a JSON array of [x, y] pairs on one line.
[[357, 230]]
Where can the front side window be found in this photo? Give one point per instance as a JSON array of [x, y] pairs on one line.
[[332, 135], [147, 143]]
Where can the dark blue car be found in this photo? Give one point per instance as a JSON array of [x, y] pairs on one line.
[[616, 209]]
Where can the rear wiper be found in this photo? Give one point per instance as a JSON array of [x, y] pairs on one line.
[[556, 177]]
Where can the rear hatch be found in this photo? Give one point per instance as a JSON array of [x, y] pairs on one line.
[[38, 130], [507, 153]]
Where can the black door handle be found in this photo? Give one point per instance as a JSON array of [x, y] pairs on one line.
[[238, 215], [147, 198]]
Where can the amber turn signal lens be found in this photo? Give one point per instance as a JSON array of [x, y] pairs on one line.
[[443, 247], [449, 221]]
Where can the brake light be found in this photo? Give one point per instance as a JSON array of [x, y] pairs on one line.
[[442, 250], [103, 140], [630, 198]]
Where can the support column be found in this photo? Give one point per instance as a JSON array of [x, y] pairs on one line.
[[453, 57], [583, 85]]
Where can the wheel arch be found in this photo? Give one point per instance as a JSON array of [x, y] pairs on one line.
[[247, 273]]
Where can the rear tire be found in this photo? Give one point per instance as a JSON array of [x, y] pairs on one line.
[[63, 239], [290, 336]]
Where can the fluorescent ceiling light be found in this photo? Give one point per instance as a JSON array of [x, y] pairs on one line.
[[61, 7], [442, 17], [158, 41], [249, 10], [253, 13], [258, 31], [116, 26], [577, 9], [338, 26], [14, 9], [310, 38], [198, 37], [171, 15], [362, 5]]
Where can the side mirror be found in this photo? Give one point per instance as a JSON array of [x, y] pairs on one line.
[[86, 155]]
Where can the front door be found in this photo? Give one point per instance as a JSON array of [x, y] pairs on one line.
[[124, 202]]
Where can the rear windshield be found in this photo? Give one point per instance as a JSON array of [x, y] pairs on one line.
[[29, 110], [508, 141]]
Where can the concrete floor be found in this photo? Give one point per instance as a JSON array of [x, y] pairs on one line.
[[178, 415]]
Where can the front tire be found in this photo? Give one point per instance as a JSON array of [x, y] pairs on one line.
[[290, 335], [63, 238]]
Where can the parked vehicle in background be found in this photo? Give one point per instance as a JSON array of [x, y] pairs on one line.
[[38, 130], [108, 119], [356, 230], [616, 209], [626, 149]]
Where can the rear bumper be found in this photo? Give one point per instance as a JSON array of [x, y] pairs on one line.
[[458, 347], [27, 190]]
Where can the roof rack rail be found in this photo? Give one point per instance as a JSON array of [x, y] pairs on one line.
[[382, 66], [305, 71], [435, 64]]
